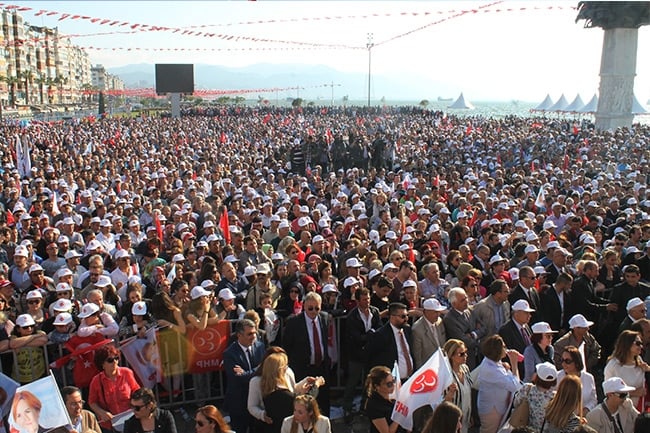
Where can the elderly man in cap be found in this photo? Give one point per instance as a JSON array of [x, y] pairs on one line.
[[616, 414], [579, 336], [428, 332], [636, 310], [516, 332], [526, 290], [631, 287]]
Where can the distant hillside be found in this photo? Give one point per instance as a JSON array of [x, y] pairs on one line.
[[310, 78]]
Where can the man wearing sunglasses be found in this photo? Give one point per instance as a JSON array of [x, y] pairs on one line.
[[305, 341], [392, 342], [616, 414]]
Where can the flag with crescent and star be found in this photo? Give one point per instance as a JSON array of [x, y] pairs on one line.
[[425, 386]]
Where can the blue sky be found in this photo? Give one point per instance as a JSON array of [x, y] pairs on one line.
[[493, 53]]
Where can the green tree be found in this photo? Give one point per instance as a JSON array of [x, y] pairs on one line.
[[424, 103], [11, 83], [297, 102]]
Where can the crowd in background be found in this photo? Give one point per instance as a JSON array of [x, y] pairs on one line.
[[519, 247]]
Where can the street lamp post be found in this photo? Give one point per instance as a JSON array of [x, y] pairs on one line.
[[369, 45]]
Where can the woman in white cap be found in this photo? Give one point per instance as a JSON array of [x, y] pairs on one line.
[[540, 348], [627, 364], [538, 394], [138, 322], [35, 307], [227, 308], [93, 321], [616, 414], [29, 362]]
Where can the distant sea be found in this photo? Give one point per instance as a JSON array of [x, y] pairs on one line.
[[494, 109]]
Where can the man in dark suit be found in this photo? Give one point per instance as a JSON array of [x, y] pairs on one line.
[[305, 341], [240, 361], [516, 332], [526, 290], [636, 310], [392, 342], [458, 324], [362, 321], [557, 303], [584, 294], [558, 266]]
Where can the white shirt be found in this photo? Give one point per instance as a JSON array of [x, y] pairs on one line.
[[401, 356]]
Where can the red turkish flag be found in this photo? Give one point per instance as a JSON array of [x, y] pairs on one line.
[[224, 224]]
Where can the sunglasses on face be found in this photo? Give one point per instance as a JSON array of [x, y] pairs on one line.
[[567, 361], [622, 395], [461, 354], [403, 316], [390, 384], [137, 408], [313, 308], [112, 359], [638, 343]]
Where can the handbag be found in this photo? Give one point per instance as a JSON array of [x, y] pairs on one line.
[[520, 414]]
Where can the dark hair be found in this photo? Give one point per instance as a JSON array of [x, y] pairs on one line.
[[361, 292], [104, 352], [444, 419], [67, 391], [576, 357], [383, 281], [395, 306], [497, 286], [375, 377], [146, 395], [493, 347]]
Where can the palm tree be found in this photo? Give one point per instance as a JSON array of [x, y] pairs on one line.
[[87, 91], [28, 76], [11, 82], [60, 80], [49, 82], [40, 80]]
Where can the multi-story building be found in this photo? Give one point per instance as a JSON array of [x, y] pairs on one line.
[[39, 66]]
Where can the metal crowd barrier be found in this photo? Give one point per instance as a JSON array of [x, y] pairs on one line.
[[178, 389]]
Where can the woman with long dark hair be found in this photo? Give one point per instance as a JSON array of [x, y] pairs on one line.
[[446, 418]]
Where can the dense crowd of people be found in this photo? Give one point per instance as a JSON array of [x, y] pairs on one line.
[[518, 247]]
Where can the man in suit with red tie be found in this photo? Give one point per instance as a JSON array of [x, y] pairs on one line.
[[309, 330], [516, 332], [240, 361], [392, 342]]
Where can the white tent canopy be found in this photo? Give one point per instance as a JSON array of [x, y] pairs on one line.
[[461, 104], [637, 108], [575, 105], [545, 104], [591, 106], [560, 105]]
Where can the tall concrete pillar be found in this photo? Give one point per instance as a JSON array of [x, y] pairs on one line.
[[617, 72]]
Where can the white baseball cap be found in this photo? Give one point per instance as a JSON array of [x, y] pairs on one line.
[[139, 308], [25, 320], [226, 294], [542, 328], [522, 305], [88, 310], [62, 304], [433, 304], [198, 291], [62, 319], [546, 371], [633, 303], [353, 263], [330, 288], [579, 321], [616, 384]]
